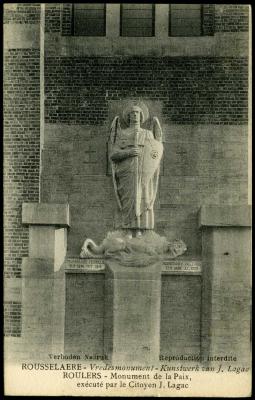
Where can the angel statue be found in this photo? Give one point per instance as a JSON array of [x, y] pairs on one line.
[[135, 155]]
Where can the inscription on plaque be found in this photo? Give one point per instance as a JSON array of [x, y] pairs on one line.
[[182, 267], [89, 265]]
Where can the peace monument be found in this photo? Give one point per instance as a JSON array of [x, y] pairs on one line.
[[135, 155], [133, 295]]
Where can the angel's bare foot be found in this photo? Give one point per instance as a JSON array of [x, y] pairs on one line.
[[138, 234]]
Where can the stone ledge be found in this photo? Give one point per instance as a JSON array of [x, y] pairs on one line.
[[222, 44], [166, 267], [45, 214], [220, 216]]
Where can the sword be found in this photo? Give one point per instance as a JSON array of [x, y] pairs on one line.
[[137, 208]]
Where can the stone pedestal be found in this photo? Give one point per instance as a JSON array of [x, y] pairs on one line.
[[132, 313], [226, 281], [47, 230], [47, 250]]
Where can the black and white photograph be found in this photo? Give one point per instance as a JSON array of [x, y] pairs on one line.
[[127, 199]]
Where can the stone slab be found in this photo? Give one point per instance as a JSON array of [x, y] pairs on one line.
[[225, 216], [21, 36], [45, 214], [132, 313]]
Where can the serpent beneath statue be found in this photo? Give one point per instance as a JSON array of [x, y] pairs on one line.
[[147, 249]]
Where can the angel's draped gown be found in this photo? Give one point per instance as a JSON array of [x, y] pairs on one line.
[[135, 214]]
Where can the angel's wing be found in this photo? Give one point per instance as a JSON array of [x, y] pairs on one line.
[[114, 131], [156, 129], [157, 133]]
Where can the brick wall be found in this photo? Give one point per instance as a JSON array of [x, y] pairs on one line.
[[231, 18], [66, 26], [22, 13], [194, 90], [21, 148], [52, 17], [208, 19], [12, 318]]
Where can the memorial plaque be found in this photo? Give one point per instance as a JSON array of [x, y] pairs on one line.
[[84, 265], [186, 267]]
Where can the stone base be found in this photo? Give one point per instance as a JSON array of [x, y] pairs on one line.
[[37, 299], [132, 313]]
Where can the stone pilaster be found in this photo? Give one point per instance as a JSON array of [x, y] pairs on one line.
[[40, 290], [226, 281]]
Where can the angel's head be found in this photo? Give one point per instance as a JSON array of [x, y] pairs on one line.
[[135, 113]]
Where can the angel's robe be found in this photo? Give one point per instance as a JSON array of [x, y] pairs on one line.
[[136, 178]]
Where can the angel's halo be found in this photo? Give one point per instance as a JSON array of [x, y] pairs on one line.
[[128, 107]]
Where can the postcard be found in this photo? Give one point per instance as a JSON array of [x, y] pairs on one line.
[[127, 199]]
